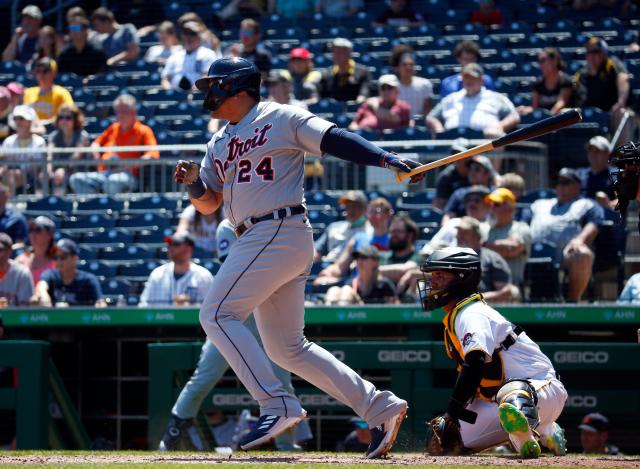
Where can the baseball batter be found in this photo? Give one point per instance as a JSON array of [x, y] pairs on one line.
[[506, 386], [255, 164]]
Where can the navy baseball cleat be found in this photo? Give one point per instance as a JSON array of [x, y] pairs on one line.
[[384, 436], [267, 428], [174, 432]]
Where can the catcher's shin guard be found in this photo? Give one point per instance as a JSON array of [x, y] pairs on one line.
[[518, 416], [520, 394]]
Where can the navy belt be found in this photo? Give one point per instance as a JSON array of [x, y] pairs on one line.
[[275, 215]]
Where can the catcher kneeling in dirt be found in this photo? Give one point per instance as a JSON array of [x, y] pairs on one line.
[[506, 387]]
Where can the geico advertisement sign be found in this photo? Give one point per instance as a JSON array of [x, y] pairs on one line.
[[577, 356], [245, 400], [585, 402], [394, 356]]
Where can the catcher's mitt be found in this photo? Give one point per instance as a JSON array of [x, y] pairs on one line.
[[443, 436], [186, 172]]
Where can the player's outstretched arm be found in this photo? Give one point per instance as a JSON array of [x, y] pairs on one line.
[[203, 199], [352, 147]]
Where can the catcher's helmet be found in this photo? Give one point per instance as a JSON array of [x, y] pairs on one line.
[[228, 77], [464, 263]]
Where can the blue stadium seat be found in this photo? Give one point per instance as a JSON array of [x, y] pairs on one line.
[[144, 220], [407, 133], [99, 269], [113, 236], [327, 106], [152, 203], [321, 217], [102, 204], [87, 254], [69, 80], [320, 200], [160, 95], [458, 132], [600, 117], [202, 254], [105, 81], [212, 266], [88, 221], [50, 205], [542, 274], [126, 253], [132, 300], [426, 216], [535, 194], [114, 287], [139, 269], [416, 200], [152, 235]]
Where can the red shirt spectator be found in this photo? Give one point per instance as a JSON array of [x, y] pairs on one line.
[[487, 14], [385, 111]]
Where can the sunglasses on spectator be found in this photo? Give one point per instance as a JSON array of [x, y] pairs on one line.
[[190, 33], [67, 117], [542, 59], [386, 87], [38, 229], [379, 210], [173, 243], [75, 28], [476, 167], [246, 32], [564, 182], [593, 51], [41, 70], [474, 200], [497, 204], [19, 118]]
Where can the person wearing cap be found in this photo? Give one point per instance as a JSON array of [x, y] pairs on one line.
[[126, 130], [605, 82], [453, 176], [402, 255], [81, 56], [40, 255], [596, 177], [250, 48], [358, 440], [305, 80], [465, 52], [385, 111], [480, 173], [399, 13], [594, 433], [23, 43], [118, 41], [168, 44], [339, 8], [202, 227], [415, 90], [474, 107], [66, 285], [47, 97], [16, 284], [188, 63], [280, 88], [331, 242], [571, 223], [26, 146], [508, 237], [345, 80], [12, 222], [180, 281], [368, 286]]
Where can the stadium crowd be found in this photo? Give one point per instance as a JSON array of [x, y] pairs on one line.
[[371, 250]]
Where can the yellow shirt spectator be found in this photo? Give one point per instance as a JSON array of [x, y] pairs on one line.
[[47, 102]]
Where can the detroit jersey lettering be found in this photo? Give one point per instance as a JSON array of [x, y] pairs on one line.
[[258, 163]]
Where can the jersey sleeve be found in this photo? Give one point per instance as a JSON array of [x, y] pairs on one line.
[[208, 172], [25, 287], [308, 129], [474, 332]]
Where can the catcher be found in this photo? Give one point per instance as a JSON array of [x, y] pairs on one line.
[[626, 180], [506, 387]]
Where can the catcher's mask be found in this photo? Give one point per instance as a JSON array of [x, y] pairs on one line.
[[463, 263], [625, 179], [228, 77]]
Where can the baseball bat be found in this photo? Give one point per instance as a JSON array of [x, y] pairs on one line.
[[550, 124]]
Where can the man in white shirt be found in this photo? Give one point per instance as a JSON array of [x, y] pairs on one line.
[[179, 282], [189, 63]]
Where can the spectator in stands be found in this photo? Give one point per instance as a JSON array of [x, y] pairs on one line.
[[358, 440], [594, 433], [23, 43], [49, 44], [466, 52], [595, 177], [402, 255], [487, 14], [379, 213], [16, 285], [385, 111], [368, 286], [208, 38], [17, 94], [398, 14], [118, 41], [583, 5], [508, 237], [188, 63], [69, 133], [474, 107], [66, 285], [306, 80], [180, 281], [168, 44], [631, 291], [201, 227], [515, 183], [5, 110], [47, 97], [453, 176], [40, 255], [571, 223], [416, 91], [496, 281], [30, 146], [339, 8], [605, 82], [81, 56], [329, 245], [554, 90], [241, 8], [279, 85], [125, 131], [250, 48], [12, 222], [480, 173], [292, 9], [346, 80]]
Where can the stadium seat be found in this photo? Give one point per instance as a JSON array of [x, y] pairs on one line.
[[212, 266], [458, 132], [609, 244], [102, 204], [535, 194], [321, 217], [113, 287], [426, 216], [415, 200], [157, 203], [542, 280], [99, 269], [94, 221], [319, 200], [87, 254], [126, 253], [144, 220], [139, 269], [111, 237], [49, 205]]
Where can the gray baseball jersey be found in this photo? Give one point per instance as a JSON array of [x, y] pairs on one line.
[[258, 164]]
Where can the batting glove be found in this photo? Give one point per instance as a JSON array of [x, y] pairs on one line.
[[186, 172], [403, 165]]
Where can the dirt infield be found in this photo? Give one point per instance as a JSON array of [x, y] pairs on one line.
[[152, 459]]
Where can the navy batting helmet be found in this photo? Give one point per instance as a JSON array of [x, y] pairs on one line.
[[228, 77], [464, 263]]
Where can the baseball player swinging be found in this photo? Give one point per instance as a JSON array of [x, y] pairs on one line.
[[255, 164], [506, 387]]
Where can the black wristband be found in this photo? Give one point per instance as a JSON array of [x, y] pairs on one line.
[[196, 189]]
